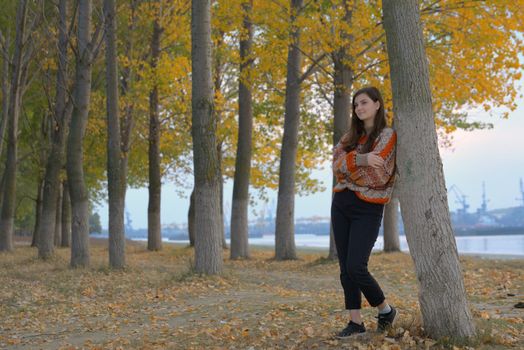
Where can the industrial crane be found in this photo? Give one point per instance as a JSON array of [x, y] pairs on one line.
[[459, 198]]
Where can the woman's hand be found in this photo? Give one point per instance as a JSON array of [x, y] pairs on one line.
[[374, 160]]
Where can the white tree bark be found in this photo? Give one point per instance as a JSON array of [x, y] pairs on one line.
[[75, 172], [7, 215], [208, 245], [422, 190], [285, 221], [62, 114], [391, 235], [239, 208], [115, 173]]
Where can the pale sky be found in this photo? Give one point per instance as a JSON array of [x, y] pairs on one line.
[[494, 156]]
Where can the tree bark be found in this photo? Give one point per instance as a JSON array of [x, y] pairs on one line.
[[342, 82], [7, 216], [154, 235], [61, 117], [66, 216], [38, 212], [285, 220], [208, 252], [391, 235], [223, 242], [115, 178], [58, 217], [75, 171], [128, 122], [422, 190], [191, 219], [5, 101], [240, 203]]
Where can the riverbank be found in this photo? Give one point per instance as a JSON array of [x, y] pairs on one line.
[[157, 302]]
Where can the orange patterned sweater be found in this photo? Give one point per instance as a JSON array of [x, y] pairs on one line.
[[369, 184]]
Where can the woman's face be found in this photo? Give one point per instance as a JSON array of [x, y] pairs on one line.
[[366, 108]]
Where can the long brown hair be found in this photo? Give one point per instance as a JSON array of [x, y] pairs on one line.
[[356, 130]]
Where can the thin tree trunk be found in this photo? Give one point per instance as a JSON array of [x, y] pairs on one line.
[[60, 122], [66, 216], [391, 235], [191, 219], [7, 216], [239, 207], [208, 252], [115, 179], [422, 190], [5, 101], [75, 171], [128, 121], [221, 177], [38, 212], [217, 81], [58, 218], [285, 220], [154, 234]]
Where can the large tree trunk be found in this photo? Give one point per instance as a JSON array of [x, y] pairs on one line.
[[422, 190], [208, 252], [75, 171], [115, 178], [239, 207], [38, 212], [66, 216], [154, 234], [7, 216], [62, 114], [58, 217], [285, 220], [391, 235]]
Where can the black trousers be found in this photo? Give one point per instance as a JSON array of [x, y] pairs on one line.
[[355, 227]]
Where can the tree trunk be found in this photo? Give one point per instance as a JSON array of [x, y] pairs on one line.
[[7, 216], [285, 221], [422, 190], [239, 207], [5, 101], [115, 178], [75, 171], [391, 235], [342, 82], [66, 216], [58, 217], [208, 252], [128, 122], [154, 234], [223, 243], [191, 219], [62, 114], [38, 213]]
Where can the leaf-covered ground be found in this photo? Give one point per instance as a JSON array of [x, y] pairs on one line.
[[158, 303]]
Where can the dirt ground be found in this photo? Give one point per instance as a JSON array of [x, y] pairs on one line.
[[157, 302]]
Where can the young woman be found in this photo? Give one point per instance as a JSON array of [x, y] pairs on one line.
[[364, 165]]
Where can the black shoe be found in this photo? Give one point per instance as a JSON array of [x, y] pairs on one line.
[[386, 320], [351, 328]]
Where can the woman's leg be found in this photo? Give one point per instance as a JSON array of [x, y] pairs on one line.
[[341, 227], [363, 234]]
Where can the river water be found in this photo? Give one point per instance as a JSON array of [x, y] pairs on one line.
[[511, 245]]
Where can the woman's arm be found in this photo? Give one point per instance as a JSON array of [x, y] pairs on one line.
[[362, 174], [374, 177]]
